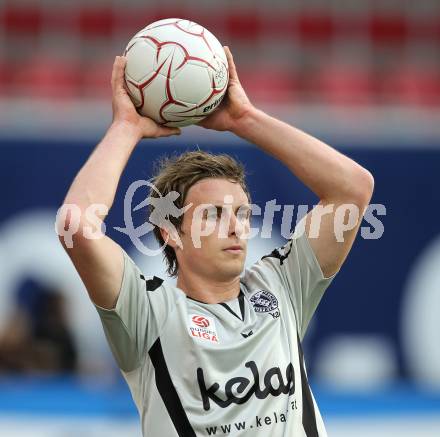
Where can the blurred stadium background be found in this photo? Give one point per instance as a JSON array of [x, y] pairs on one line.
[[362, 75]]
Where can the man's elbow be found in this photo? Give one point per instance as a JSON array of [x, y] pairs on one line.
[[359, 188], [365, 187]]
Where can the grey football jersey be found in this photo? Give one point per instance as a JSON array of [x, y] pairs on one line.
[[233, 368]]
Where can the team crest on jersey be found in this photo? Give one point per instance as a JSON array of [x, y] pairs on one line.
[[202, 328], [264, 301]]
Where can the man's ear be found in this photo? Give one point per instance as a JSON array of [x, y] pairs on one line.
[[171, 238]]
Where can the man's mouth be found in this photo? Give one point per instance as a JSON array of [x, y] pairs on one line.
[[236, 248]]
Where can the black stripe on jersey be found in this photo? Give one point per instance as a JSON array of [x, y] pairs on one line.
[[168, 392], [241, 304], [308, 416]]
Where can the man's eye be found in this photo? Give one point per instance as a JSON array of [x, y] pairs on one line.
[[212, 215], [243, 216]]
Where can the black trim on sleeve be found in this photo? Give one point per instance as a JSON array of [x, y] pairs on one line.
[[280, 253], [153, 283], [168, 392], [308, 416]]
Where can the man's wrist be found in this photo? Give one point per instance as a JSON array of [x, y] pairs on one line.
[[245, 125], [125, 130]]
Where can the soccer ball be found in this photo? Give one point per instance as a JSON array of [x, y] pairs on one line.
[[176, 72]]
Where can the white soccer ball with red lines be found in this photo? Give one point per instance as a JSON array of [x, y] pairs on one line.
[[176, 72]]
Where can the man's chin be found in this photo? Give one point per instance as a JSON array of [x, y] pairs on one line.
[[231, 269]]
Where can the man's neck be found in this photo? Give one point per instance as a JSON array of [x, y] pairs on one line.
[[207, 290]]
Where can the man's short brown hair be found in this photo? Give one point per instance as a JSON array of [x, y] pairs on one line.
[[179, 173]]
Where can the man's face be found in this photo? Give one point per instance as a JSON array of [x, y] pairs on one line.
[[213, 238]]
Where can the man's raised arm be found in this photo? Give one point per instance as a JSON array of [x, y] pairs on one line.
[[99, 261], [341, 184]]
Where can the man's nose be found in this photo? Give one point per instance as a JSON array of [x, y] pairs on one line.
[[236, 226]]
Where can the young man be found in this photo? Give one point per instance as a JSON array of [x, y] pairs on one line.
[[220, 353]]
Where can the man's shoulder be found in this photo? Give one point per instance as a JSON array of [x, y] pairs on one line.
[[260, 274]]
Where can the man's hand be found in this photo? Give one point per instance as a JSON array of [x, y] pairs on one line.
[[124, 112], [234, 106]]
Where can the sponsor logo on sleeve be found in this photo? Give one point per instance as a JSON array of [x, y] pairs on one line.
[[202, 328]]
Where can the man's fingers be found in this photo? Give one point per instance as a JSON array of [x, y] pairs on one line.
[[114, 73], [164, 131], [232, 70], [118, 74], [202, 123]]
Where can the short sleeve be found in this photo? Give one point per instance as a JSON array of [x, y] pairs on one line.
[[135, 322], [295, 268]]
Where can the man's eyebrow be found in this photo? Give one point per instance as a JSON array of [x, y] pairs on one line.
[[244, 207]]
